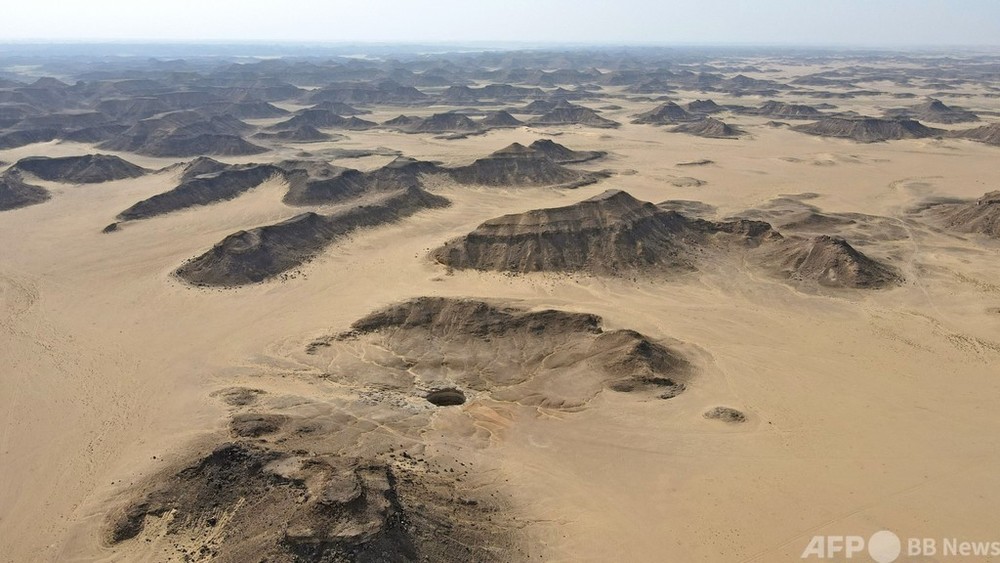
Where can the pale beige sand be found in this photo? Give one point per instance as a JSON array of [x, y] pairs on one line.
[[865, 410]]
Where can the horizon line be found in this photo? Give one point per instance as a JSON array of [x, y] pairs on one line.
[[487, 43]]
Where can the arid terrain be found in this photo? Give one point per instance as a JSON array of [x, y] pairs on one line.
[[648, 305]]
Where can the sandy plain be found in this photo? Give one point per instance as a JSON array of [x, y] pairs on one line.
[[866, 410]]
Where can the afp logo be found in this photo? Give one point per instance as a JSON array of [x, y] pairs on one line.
[[883, 547]]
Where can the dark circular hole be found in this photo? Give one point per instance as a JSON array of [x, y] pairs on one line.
[[446, 397], [725, 414]]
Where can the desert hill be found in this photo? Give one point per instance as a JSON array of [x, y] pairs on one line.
[[322, 119], [500, 119], [300, 134], [95, 134], [366, 496], [933, 111], [314, 502], [402, 121], [829, 261], [130, 109], [539, 107], [340, 108], [15, 192], [517, 165], [65, 121], [709, 127], [665, 113], [85, 169], [201, 165], [868, 129], [14, 139], [203, 189], [989, 134], [703, 107], [651, 86], [358, 92], [784, 110], [612, 233], [980, 216], [562, 154], [500, 350], [264, 252], [249, 109], [401, 173], [183, 134], [443, 123], [573, 115]]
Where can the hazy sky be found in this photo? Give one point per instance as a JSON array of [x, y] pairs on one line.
[[761, 22]]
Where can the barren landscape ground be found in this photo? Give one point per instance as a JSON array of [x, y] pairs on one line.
[[863, 408]]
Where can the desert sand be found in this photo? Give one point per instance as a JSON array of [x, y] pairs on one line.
[[771, 409]]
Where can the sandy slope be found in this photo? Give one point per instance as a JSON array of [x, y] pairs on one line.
[[866, 410]]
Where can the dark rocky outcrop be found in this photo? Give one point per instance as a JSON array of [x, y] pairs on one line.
[[570, 114], [203, 189], [517, 165], [86, 169], [988, 134], [980, 216], [322, 119], [562, 154], [183, 134], [933, 111], [444, 123], [708, 127], [868, 129], [300, 134], [784, 110], [498, 119], [664, 114], [345, 184], [201, 165], [15, 192], [340, 108], [611, 234], [511, 347], [703, 107], [829, 261], [14, 139], [253, 256], [306, 507]]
